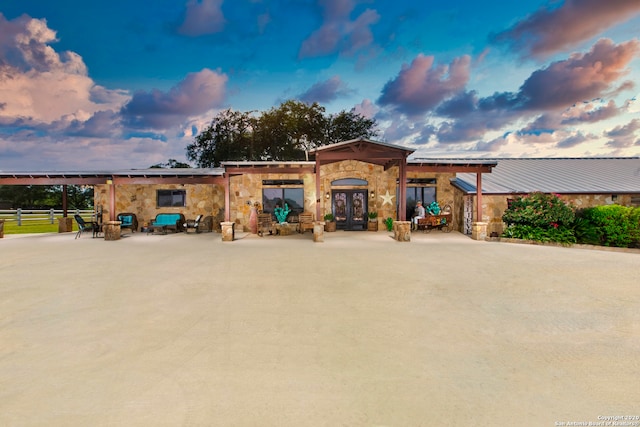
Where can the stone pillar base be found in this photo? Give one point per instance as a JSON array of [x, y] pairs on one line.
[[65, 225], [1, 228], [402, 231], [479, 230], [111, 230], [318, 231], [228, 231]]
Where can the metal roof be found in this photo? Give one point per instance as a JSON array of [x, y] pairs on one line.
[[351, 141], [151, 172], [557, 175]]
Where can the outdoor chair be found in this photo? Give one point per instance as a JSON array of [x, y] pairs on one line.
[[193, 223], [128, 220], [306, 221], [86, 226]]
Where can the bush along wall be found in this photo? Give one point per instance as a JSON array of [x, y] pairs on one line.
[[541, 217], [546, 218], [610, 225]]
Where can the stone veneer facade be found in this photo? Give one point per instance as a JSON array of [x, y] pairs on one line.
[[141, 199], [246, 189]]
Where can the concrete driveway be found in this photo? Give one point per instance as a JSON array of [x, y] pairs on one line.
[[185, 330]]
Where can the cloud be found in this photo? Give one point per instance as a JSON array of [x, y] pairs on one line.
[[588, 113], [338, 33], [580, 77], [555, 94], [552, 30], [39, 85], [623, 136], [366, 109], [202, 17], [325, 91], [575, 140], [421, 86], [196, 94]]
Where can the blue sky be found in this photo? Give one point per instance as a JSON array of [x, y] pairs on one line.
[[127, 84]]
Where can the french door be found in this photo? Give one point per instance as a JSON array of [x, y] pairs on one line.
[[350, 209]]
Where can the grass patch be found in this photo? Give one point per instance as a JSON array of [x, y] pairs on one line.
[[32, 227]]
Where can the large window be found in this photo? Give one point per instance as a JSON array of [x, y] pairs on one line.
[[171, 198], [274, 197], [424, 194]]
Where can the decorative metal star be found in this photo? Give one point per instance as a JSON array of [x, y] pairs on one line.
[[387, 198]]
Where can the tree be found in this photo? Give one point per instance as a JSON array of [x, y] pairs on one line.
[[228, 137], [46, 196], [345, 126], [286, 132], [171, 164]]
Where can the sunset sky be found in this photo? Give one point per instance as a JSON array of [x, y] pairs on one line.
[[93, 85]]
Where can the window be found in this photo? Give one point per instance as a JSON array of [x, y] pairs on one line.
[[274, 197], [424, 194], [171, 198]]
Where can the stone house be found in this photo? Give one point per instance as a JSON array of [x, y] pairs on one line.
[[581, 182], [350, 179]]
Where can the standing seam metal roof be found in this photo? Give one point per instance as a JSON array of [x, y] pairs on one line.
[[558, 175]]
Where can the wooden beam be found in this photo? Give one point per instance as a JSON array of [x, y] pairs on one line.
[[52, 181], [319, 197], [219, 180], [479, 197], [266, 170]]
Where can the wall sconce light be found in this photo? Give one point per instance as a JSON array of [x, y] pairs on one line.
[[109, 181], [372, 195], [327, 195]]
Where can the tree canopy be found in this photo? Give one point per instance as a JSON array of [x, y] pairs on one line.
[[287, 132]]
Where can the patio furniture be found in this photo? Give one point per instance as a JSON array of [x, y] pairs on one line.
[[167, 221], [193, 224], [83, 226], [306, 221], [128, 220]]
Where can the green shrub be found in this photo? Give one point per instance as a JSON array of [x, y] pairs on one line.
[[541, 217], [611, 225]]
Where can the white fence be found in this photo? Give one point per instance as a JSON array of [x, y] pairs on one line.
[[48, 215]]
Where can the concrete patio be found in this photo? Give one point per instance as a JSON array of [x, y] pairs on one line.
[[360, 330]]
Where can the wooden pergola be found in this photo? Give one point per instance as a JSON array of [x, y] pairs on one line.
[[364, 150]]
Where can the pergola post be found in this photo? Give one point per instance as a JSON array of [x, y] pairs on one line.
[[318, 195], [402, 189]]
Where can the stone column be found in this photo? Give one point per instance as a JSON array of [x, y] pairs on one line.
[[228, 231], [479, 230], [318, 231], [65, 224], [111, 230], [402, 231]]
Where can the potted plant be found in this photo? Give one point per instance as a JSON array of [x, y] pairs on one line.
[[373, 221], [389, 223], [329, 222]]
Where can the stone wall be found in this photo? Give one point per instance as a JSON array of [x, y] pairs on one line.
[[493, 206], [141, 199]]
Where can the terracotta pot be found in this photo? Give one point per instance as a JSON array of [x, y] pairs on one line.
[[330, 226]]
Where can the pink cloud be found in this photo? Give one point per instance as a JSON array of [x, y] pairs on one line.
[[40, 85], [581, 77], [552, 30], [196, 94], [338, 33], [421, 86], [202, 17]]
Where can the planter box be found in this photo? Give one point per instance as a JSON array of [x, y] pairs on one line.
[[330, 226], [372, 225]]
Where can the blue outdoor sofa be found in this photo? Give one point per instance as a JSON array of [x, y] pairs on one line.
[[167, 221]]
